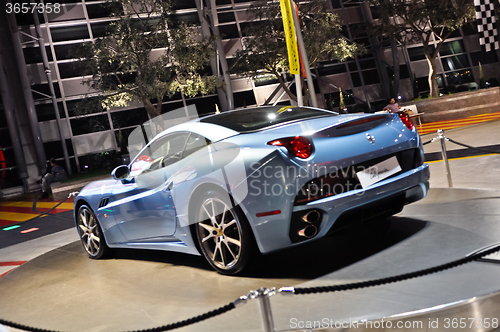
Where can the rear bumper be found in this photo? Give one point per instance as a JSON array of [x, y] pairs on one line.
[[410, 186], [354, 205]]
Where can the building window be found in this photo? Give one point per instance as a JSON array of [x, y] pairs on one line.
[[229, 31], [46, 112], [244, 99], [42, 91], [69, 33], [455, 62], [459, 77], [90, 124], [417, 53], [129, 118], [33, 54], [451, 48], [483, 57]]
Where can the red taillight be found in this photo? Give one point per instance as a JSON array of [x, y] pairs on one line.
[[406, 120], [298, 146]]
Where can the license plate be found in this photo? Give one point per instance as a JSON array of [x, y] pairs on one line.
[[378, 172]]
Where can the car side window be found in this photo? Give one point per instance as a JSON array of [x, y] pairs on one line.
[[160, 153], [194, 143]]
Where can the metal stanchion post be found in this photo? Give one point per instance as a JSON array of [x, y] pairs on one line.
[[441, 137], [262, 295], [266, 315]]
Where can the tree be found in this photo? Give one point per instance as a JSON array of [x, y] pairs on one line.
[[421, 20], [146, 55], [265, 52]]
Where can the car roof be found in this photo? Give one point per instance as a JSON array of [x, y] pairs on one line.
[[261, 118], [217, 127]]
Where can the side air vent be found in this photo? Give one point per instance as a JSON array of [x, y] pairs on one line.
[[103, 202]]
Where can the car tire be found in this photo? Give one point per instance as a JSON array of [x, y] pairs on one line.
[[91, 234], [224, 236]]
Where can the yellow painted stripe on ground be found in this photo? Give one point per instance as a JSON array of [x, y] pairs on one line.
[[15, 216], [46, 205]]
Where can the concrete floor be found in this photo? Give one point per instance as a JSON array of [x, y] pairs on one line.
[[62, 289]]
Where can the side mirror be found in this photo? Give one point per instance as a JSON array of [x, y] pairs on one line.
[[121, 172]]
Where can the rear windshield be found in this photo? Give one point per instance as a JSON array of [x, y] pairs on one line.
[[254, 119]]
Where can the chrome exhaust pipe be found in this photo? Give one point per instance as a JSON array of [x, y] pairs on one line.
[[309, 231], [312, 216]]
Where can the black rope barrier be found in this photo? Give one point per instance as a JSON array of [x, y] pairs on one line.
[[299, 291], [389, 280], [472, 147], [427, 142], [42, 213]]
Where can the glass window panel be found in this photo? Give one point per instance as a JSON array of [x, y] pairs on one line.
[[84, 106], [331, 70], [454, 47], [483, 57], [33, 54], [69, 33], [265, 79], [54, 150], [99, 29], [417, 53], [103, 9], [455, 62], [189, 18], [356, 79], [185, 4], [226, 17], [459, 77], [229, 31], [46, 112], [89, 124], [403, 72], [5, 137], [371, 76], [244, 98], [45, 89], [363, 64], [423, 83], [69, 69], [129, 118], [64, 52], [171, 106], [194, 143], [24, 19], [206, 105]]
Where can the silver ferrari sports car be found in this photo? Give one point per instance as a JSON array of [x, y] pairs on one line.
[[266, 178]]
